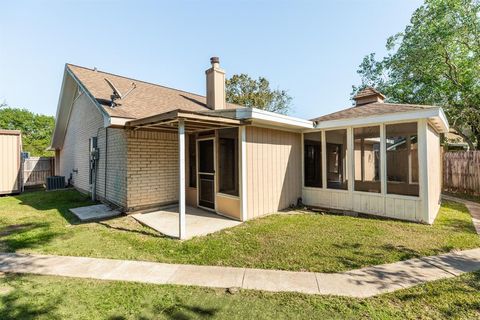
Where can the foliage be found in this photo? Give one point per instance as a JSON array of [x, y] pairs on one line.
[[36, 129], [434, 61], [243, 90], [40, 222]]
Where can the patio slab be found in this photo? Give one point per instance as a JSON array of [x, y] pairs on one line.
[[198, 222], [95, 212]]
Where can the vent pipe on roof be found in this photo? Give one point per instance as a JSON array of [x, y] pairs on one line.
[[368, 95], [215, 85]]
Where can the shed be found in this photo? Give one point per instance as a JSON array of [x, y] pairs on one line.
[[10, 161]]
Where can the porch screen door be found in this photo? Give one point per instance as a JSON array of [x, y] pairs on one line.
[[206, 173]]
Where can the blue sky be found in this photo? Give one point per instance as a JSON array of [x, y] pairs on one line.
[[310, 48]]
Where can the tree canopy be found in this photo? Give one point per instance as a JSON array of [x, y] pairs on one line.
[[243, 90], [434, 61], [36, 129]]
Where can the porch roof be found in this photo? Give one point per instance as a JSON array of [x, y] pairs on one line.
[[194, 121]]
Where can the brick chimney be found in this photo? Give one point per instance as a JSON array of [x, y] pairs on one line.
[[368, 95], [215, 85]]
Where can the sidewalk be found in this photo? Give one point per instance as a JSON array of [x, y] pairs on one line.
[[473, 207], [364, 282]]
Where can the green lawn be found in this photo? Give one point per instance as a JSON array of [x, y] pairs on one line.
[[40, 222], [42, 297]]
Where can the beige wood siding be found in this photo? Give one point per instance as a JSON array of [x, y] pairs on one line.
[[152, 168], [273, 170], [434, 173], [228, 206], [10, 167]]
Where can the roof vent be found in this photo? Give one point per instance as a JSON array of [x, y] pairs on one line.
[[368, 95]]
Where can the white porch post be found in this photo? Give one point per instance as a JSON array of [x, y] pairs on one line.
[[383, 160], [324, 159], [423, 170], [243, 173], [181, 197]]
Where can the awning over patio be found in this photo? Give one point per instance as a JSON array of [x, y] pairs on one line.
[[183, 122], [194, 121]]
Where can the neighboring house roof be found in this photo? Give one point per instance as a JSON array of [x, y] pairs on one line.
[[371, 109], [146, 99]]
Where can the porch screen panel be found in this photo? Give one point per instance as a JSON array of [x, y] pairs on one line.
[[402, 159], [312, 157], [228, 161], [367, 159], [336, 141]]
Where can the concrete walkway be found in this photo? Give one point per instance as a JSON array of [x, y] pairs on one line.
[[364, 282], [473, 207]]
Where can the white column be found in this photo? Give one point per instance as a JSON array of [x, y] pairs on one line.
[[423, 169], [181, 197], [243, 173], [324, 160], [383, 160], [350, 163]]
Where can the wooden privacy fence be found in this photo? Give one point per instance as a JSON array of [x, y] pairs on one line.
[[37, 169], [461, 172]]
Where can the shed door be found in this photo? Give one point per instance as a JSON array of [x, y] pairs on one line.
[[206, 173]]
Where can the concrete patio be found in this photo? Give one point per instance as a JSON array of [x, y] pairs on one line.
[[198, 222]]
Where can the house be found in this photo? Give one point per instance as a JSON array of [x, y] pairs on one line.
[[139, 145]]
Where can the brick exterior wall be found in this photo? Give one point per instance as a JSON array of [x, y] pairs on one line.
[[142, 166], [152, 168], [86, 122]]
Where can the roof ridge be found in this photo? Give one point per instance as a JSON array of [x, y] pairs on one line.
[[134, 79]]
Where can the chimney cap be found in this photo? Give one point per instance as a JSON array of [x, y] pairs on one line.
[[368, 95], [214, 60]]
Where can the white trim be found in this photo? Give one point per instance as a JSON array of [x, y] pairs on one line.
[[303, 159], [272, 117], [181, 198], [229, 196], [423, 167], [350, 163], [433, 112], [118, 121], [243, 173], [383, 160], [324, 159]]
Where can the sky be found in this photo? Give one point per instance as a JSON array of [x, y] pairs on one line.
[[312, 49]]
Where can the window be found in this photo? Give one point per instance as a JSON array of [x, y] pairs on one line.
[[402, 159], [192, 161], [367, 159], [312, 157], [228, 161], [337, 159]]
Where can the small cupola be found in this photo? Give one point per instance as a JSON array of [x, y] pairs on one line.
[[215, 85], [368, 95]]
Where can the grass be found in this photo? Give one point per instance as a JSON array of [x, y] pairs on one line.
[[39, 222], [466, 196], [47, 297]]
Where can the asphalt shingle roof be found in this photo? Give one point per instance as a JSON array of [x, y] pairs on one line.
[[147, 99]]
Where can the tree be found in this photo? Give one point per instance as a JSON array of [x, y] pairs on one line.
[[434, 61], [243, 90], [36, 129]]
